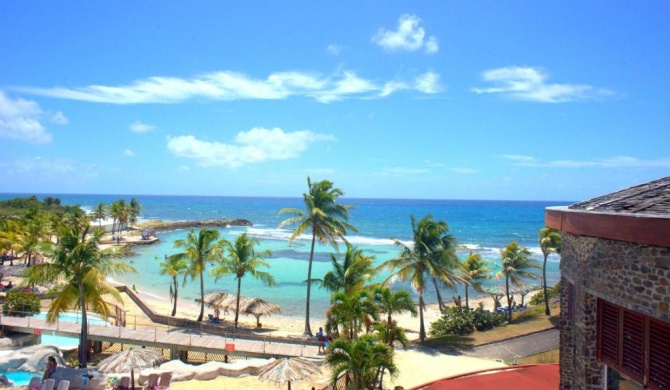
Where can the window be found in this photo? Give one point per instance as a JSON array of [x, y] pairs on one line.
[[635, 345]]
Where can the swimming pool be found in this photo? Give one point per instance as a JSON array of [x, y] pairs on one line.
[[66, 341], [20, 378]]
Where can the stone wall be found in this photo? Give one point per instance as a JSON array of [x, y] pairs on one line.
[[630, 275]]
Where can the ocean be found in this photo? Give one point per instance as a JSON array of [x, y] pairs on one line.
[[481, 226]]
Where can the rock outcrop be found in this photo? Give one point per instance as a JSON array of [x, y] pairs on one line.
[[161, 226]]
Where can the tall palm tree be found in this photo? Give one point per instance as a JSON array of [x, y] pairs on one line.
[[352, 310], [516, 262], [361, 359], [475, 271], [351, 273], [550, 242], [173, 266], [428, 257], [116, 211], [99, 213], [34, 237], [199, 249], [326, 219], [82, 269], [134, 210], [242, 259]]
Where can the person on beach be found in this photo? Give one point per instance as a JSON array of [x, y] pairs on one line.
[[51, 368], [322, 340]]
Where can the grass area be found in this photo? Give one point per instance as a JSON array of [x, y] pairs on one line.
[[525, 322], [540, 358]]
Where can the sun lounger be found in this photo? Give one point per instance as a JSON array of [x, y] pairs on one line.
[[34, 383], [152, 382], [165, 381], [123, 383], [93, 383], [63, 385], [48, 384]]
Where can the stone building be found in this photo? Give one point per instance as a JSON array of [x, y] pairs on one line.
[[615, 298]]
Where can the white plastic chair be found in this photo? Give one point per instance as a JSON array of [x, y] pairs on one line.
[[34, 382], [165, 381], [63, 385], [92, 383], [152, 382], [123, 383], [48, 384]]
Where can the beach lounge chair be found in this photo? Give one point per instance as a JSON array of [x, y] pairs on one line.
[[63, 385], [165, 381], [93, 383], [123, 383], [34, 383], [152, 382], [213, 320], [48, 384]]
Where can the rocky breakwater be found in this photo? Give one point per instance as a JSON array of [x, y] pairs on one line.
[[162, 226]]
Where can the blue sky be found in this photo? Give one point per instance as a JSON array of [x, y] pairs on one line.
[[550, 100]]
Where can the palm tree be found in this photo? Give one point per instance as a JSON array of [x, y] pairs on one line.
[[199, 249], [516, 260], [550, 242], [326, 219], [351, 273], [115, 211], [475, 271], [352, 310], [429, 257], [134, 210], [173, 266], [34, 236], [361, 359], [83, 269], [394, 302], [99, 213], [243, 259]]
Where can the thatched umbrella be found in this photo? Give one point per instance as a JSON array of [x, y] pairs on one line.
[[258, 307], [290, 369], [130, 360], [219, 301]]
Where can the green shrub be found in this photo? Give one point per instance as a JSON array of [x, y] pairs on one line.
[[485, 320], [552, 292], [455, 321], [21, 303]]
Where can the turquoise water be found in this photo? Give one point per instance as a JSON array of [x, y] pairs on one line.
[[481, 226], [65, 341], [20, 378]]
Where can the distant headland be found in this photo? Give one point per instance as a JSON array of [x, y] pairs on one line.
[[162, 226]]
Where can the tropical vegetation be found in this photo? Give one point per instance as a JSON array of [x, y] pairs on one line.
[[21, 303], [550, 242], [174, 266], [361, 360], [516, 264], [325, 218], [474, 271]]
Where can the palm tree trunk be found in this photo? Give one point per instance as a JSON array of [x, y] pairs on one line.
[[237, 304], [439, 296], [544, 284], [467, 303], [308, 330], [509, 299], [176, 295], [202, 298], [83, 335], [422, 328]]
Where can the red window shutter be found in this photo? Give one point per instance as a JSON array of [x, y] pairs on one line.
[[659, 354], [609, 332], [633, 344]]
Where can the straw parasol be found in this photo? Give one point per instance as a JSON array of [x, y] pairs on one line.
[[219, 301], [290, 369], [258, 307], [130, 360]]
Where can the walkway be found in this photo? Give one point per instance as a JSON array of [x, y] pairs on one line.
[[508, 350], [176, 340]]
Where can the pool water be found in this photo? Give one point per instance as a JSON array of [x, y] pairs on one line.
[[20, 378], [65, 341]]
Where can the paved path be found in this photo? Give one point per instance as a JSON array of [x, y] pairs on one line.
[[523, 346]]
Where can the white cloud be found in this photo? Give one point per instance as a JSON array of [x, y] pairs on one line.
[[517, 157], [49, 169], [463, 171], [334, 49], [402, 171], [140, 127], [129, 153], [254, 146], [612, 162], [20, 120], [428, 83], [525, 83], [409, 36], [183, 168], [59, 118], [227, 85]]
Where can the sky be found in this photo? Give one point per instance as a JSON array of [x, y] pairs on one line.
[[515, 100]]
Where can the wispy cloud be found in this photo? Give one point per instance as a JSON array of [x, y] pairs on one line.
[[463, 171], [612, 162], [254, 146], [228, 85], [409, 36], [404, 171], [21, 120], [334, 49], [49, 169], [530, 84], [128, 153], [140, 127]]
